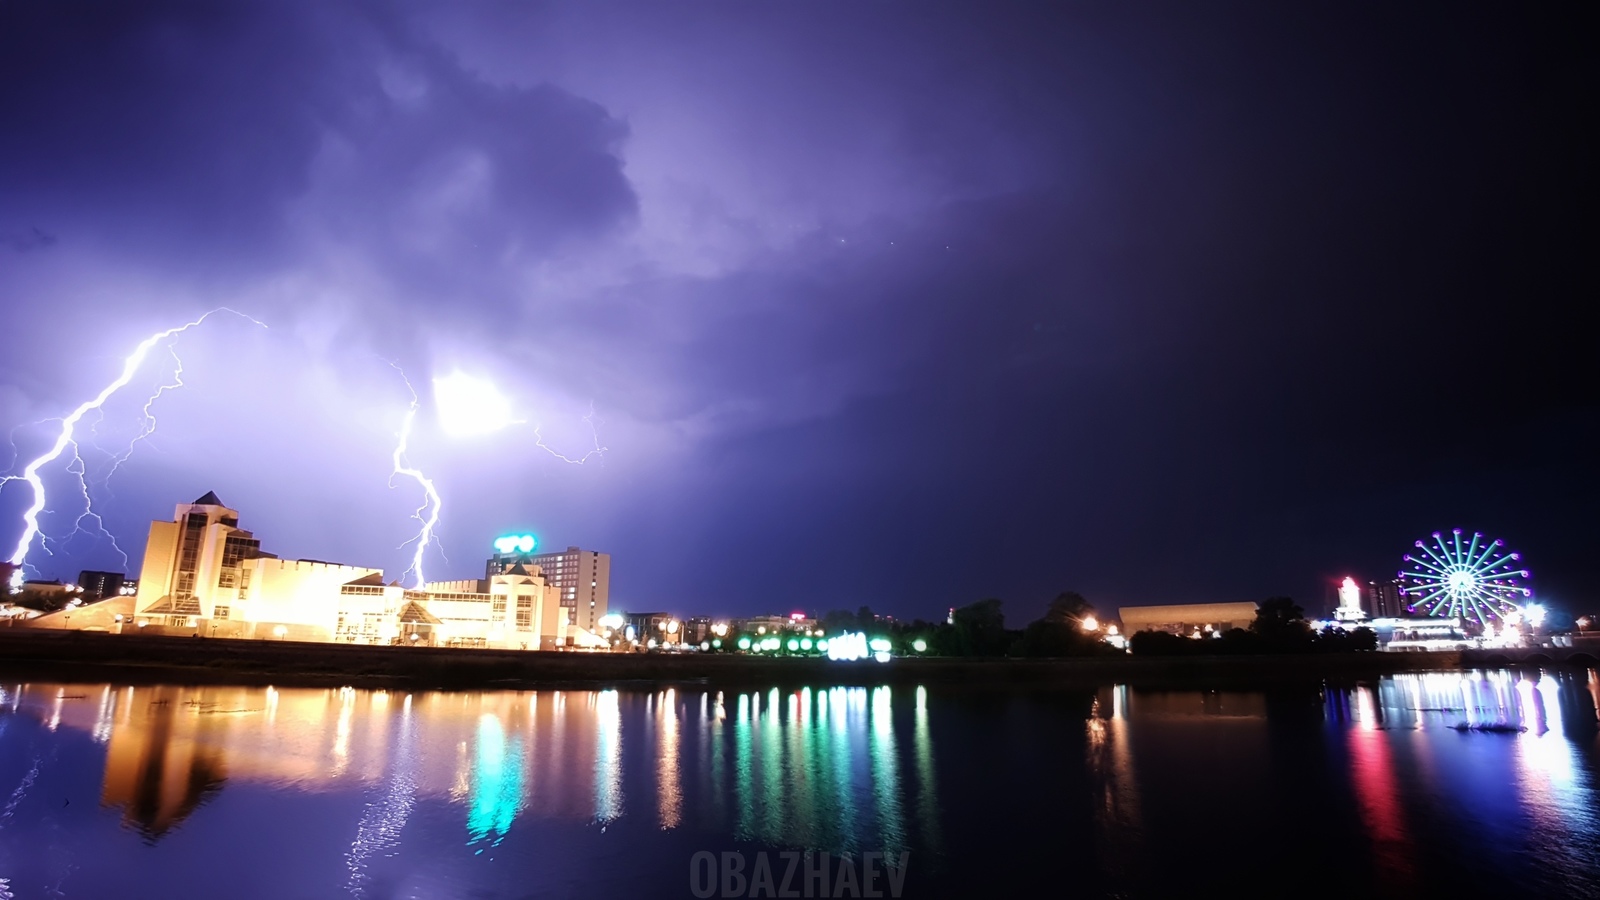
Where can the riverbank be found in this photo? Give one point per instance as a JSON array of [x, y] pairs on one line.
[[98, 657]]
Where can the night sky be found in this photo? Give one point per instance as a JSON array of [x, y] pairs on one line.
[[903, 305]]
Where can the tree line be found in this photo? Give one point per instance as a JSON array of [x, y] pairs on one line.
[[1070, 627]]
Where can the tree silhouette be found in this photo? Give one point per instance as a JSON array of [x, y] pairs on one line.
[[1068, 608], [1281, 622]]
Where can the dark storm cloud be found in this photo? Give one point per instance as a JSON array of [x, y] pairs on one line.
[[1164, 303], [167, 130]]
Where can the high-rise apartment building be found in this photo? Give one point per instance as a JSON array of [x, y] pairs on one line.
[[582, 577], [1386, 600]]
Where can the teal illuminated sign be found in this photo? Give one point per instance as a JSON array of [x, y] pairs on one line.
[[516, 543]]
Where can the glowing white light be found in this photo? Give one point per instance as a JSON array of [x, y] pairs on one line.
[[470, 407], [30, 474], [1534, 613], [848, 647], [1090, 623], [611, 620]]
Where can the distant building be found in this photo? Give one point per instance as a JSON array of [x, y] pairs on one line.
[[46, 594], [100, 585], [697, 629], [774, 624], [1187, 619], [647, 626], [583, 578], [1386, 600]]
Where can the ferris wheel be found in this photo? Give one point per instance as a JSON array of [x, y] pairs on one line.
[[1470, 578]]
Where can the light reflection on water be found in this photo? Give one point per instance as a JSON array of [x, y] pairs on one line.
[[842, 769]]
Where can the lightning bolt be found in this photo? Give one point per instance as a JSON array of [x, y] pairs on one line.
[[430, 499], [597, 451], [149, 426], [65, 438]]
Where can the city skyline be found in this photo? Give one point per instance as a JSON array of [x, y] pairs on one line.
[[1102, 307]]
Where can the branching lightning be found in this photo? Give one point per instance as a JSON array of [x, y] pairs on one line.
[[597, 451], [430, 501], [66, 438], [149, 426]]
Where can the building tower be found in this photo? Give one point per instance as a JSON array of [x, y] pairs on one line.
[[1349, 602], [190, 559]]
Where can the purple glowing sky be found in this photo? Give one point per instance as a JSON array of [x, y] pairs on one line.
[[875, 303]]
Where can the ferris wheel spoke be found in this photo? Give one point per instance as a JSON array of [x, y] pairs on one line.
[[1428, 565]]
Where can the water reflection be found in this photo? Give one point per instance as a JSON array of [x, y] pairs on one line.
[[1124, 785], [163, 763], [820, 769], [1518, 755], [1115, 794], [814, 769], [385, 816]]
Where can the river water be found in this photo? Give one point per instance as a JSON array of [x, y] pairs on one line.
[[110, 791]]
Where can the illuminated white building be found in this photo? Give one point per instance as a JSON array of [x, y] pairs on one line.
[[203, 574], [582, 577]]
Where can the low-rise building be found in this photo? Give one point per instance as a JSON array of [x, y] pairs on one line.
[[1187, 619]]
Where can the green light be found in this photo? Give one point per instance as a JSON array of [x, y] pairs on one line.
[[793, 645], [516, 543], [879, 645], [822, 644], [919, 645], [717, 643], [744, 643], [805, 643]]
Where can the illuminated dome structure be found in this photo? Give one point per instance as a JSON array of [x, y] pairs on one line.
[[1476, 580]]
